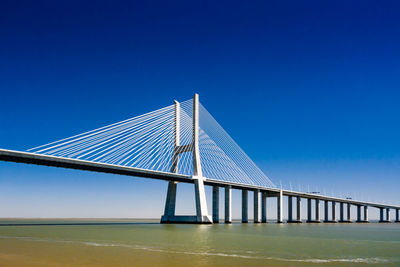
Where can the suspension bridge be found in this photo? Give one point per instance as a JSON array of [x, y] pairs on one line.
[[183, 143]]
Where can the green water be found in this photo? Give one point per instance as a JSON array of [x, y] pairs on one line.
[[148, 243]]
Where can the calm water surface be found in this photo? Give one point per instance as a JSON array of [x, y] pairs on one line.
[[148, 243]]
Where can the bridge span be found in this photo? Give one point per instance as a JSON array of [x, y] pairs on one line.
[[171, 144], [259, 191]]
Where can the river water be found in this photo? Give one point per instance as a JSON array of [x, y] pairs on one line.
[[148, 243]]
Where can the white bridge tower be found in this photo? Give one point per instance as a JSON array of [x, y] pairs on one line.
[[201, 202]]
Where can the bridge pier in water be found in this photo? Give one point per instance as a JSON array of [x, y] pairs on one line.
[[279, 207], [360, 218], [298, 206], [215, 206], [256, 206], [333, 211], [263, 207], [341, 210], [228, 204], [348, 212], [245, 210], [316, 212], [313, 213], [381, 215], [290, 210]]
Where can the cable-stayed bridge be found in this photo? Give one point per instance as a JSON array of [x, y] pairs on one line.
[[184, 143]]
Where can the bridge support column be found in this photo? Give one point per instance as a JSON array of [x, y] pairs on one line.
[[326, 203], [228, 204], [309, 213], [381, 215], [201, 204], [333, 211], [317, 217], [381, 211], [245, 203], [279, 217], [349, 212], [365, 213], [169, 210], [397, 216], [290, 209], [387, 214], [358, 213], [263, 207], [298, 206], [215, 195], [341, 219], [256, 206]]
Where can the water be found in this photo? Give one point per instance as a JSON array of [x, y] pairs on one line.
[[148, 243]]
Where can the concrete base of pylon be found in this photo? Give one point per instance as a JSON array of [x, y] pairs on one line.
[[201, 206], [186, 219]]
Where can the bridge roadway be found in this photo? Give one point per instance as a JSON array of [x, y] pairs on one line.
[[46, 160]]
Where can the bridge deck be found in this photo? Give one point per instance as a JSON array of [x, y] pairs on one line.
[[31, 158]]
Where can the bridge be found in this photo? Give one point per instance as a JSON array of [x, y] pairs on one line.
[[183, 143]]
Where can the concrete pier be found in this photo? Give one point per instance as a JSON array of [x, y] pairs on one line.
[[298, 206], [290, 209], [333, 211], [201, 204], [382, 213], [257, 206], [169, 210], [279, 217], [245, 210], [358, 213], [341, 215], [360, 218], [215, 207], [263, 207], [388, 214], [348, 212], [309, 213], [228, 204], [326, 213], [341, 207]]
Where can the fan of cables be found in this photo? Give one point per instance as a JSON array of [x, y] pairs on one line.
[[147, 142]]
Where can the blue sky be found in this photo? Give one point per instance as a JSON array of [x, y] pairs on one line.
[[310, 90]]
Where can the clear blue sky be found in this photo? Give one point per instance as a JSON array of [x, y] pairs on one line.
[[309, 89]]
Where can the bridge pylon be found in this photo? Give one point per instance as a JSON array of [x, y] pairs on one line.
[[200, 196]]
